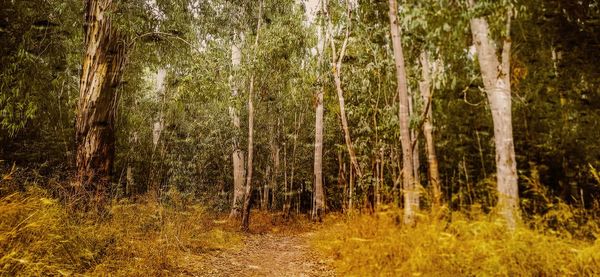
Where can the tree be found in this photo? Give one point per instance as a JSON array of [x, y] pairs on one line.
[[411, 193], [237, 155], [312, 9], [336, 64], [496, 79], [425, 88], [102, 70], [248, 187]]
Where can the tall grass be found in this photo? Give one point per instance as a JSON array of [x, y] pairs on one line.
[[38, 236], [473, 245]]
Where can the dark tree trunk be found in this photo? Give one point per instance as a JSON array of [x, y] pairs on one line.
[[102, 69]]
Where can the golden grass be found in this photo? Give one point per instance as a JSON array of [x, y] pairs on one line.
[[39, 237], [378, 245]]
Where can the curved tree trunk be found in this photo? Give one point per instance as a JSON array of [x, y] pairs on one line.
[[496, 79], [101, 74], [411, 193]]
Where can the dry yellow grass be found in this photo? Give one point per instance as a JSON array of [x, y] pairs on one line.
[[378, 245], [39, 237]]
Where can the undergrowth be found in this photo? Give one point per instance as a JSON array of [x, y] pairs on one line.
[[462, 245], [39, 236]]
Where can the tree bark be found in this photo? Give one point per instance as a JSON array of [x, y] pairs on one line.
[[248, 188], [101, 74], [237, 155], [319, 202], [496, 79], [411, 193], [319, 195], [433, 168]]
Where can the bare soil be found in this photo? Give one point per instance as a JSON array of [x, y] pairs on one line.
[[268, 255]]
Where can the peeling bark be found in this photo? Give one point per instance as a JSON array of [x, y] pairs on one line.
[[102, 70]]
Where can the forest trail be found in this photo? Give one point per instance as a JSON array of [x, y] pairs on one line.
[[268, 255]]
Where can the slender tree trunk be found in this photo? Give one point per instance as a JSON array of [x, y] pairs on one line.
[[285, 179], [248, 189], [337, 72], [412, 98], [496, 79], [237, 155], [297, 123], [319, 202], [425, 87], [101, 74], [275, 160], [411, 193], [157, 129]]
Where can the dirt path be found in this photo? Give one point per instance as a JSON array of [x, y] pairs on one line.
[[269, 255]]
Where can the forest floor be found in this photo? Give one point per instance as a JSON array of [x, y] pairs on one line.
[[269, 254], [40, 235]]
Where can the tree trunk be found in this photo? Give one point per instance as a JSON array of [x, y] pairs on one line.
[[337, 72], [248, 189], [237, 156], [496, 79], [157, 129], [101, 74], [288, 205], [411, 194], [412, 99], [318, 195], [275, 159], [319, 198], [433, 168]]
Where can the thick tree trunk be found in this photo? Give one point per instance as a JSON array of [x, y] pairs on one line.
[[411, 193], [101, 74], [496, 79], [248, 188], [237, 156], [319, 197], [433, 168]]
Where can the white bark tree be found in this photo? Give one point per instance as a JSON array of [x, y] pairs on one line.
[[313, 7], [237, 155], [248, 187], [496, 79], [411, 192]]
